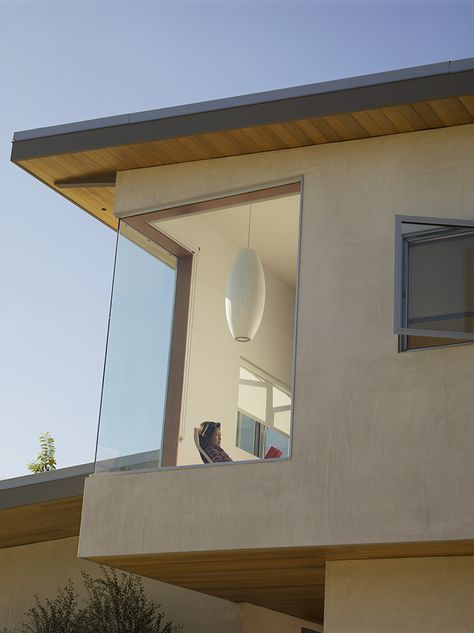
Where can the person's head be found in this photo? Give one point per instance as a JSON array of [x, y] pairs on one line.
[[210, 434]]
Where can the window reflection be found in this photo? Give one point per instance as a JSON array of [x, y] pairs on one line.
[[264, 412]]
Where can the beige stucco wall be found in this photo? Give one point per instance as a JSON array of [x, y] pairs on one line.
[[382, 446], [43, 567], [259, 620], [418, 595]]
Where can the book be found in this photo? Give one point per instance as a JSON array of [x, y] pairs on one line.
[[273, 453]]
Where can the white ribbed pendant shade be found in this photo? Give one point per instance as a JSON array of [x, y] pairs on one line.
[[245, 296]]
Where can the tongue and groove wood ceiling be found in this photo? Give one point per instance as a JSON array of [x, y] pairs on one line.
[[69, 158], [300, 133]]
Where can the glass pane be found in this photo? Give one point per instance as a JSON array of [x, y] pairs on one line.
[[280, 398], [422, 342], [247, 434], [277, 441], [245, 374], [135, 381], [282, 421], [253, 395], [440, 278]]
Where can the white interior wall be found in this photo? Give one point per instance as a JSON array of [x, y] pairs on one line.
[[211, 390]]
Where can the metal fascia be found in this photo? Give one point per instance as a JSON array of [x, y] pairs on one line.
[[335, 97], [43, 487]]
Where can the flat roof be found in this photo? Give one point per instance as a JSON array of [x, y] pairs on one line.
[[80, 159], [43, 506], [41, 487]]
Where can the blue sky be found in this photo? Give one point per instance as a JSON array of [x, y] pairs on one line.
[[68, 60]]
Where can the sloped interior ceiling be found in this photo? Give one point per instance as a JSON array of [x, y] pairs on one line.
[[273, 231]]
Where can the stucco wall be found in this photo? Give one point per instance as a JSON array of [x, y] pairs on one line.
[[382, 442], [43, 567], [418, 595], [258, 620]]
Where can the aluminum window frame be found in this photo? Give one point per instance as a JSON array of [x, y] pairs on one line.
[[260, 435], [401, 283]]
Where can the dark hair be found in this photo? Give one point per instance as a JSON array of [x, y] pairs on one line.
[[206, 430]]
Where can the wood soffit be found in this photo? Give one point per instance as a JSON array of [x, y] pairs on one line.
[[43, 506], [38, 522], [289, 580], [80, 161]]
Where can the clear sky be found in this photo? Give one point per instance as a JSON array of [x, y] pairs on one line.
[[68, 60]]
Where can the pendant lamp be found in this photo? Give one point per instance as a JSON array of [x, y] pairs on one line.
[[245, 294]]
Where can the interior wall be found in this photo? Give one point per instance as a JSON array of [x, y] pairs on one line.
[[42, 568], [413, 595], [214, 358]]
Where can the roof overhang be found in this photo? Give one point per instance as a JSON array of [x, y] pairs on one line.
[[80, 160], [286, 579], [42, 507], [47, 506]]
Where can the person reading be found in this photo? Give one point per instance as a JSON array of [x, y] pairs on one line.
[[210, 442]]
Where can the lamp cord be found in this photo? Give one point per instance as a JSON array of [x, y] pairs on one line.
[[250, 220]]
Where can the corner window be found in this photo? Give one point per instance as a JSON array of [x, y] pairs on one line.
[[200, 352], [434, 284]]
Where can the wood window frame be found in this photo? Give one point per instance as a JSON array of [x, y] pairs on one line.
[[143, 223]]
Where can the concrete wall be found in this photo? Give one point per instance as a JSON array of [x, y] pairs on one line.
[[418, 595], [43, 567], [382, 442]]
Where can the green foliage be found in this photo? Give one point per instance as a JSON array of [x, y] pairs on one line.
[[116, 603], [46, 459], [59, 615]]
